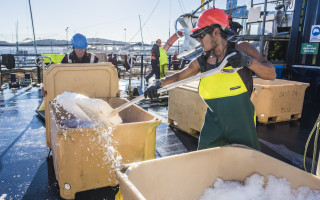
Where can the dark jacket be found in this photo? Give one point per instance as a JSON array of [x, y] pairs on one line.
[[155, 53], [85, 59], [235, 28], [175, 62]]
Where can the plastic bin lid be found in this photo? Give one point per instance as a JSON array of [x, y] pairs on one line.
[[98, 80], [193, 86], [277, 83]]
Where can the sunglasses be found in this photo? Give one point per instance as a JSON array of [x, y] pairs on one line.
[[202, 34]]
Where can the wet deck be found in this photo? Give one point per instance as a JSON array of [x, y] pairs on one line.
[[25, 172]]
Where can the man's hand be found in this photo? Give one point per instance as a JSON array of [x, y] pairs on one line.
[[118, 93], [240, 60], [43, 92], [151, 91]]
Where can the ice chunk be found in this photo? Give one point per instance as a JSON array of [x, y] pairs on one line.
[[99, 111], [67, 101], [87, 109], [3, 196]]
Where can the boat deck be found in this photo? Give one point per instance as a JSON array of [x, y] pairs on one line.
[[26, 171]]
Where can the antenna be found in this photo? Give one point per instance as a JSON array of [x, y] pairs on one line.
[[67, 39]]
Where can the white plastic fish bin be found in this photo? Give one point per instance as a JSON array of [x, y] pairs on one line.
[[187, 176]]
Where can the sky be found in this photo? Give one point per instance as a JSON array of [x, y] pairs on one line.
[[115, 20]]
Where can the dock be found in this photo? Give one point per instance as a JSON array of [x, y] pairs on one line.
[[26, 167]]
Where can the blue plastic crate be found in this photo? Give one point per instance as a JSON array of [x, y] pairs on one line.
[[279, 69]]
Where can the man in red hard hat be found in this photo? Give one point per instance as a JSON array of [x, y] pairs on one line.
[[155, 63], [230, 117], [235, 27]]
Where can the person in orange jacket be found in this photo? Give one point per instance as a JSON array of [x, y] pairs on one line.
[[155, 63]]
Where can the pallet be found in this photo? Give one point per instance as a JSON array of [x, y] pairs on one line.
[[183, 128], [275, 119]]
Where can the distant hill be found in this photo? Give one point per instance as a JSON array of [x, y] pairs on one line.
[[3, 42], [47, 42], [62, 42], [101, 40]]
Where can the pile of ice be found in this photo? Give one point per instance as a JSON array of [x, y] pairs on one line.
[[253, 189], [87, 109]]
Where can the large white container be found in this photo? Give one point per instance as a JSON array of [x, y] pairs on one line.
[[186, 176]]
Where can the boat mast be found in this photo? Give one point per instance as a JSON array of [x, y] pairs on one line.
[[34, 43], [17, 43], [141, 35], [34, 35]]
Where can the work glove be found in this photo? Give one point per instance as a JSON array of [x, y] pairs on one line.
[[151, 91], [240, 60]]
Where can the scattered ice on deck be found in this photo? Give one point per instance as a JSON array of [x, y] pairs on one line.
[[111, 155], [3, 196], [252, 188]]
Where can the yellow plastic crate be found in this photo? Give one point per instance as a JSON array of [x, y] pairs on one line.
[[79, 154], [278, 100], [186, 110]]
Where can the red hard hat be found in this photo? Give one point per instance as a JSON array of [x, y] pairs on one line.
[[229, 16], [159, 41], [212, 16]]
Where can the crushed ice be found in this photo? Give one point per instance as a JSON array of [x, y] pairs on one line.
[[253, 189], [82, 111]]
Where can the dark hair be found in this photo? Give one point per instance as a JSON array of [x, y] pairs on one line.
[[223, 33]]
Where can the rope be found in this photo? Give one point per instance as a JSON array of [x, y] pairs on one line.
[[316, 128], [145, 21], [181, 7]]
